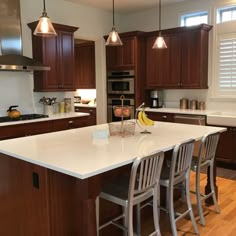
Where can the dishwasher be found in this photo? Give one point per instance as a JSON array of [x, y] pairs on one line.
[[190, 119], [193, 120]]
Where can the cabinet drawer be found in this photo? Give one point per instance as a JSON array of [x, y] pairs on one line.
[[157, 116], [69, 123]]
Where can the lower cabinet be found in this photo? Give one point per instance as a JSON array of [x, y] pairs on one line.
[[225, 153], [26, 129], [70, 123], [91, 110]]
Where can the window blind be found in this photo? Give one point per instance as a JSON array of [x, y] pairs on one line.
[[227, 65]]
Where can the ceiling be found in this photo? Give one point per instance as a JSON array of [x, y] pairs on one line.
[[125, 6]]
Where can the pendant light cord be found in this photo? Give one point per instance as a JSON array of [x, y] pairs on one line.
[[113, 14], [159, 14], [44, 7]]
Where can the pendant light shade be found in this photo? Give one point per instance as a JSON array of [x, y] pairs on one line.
[[159, 42], [44, 27], [114, 38]]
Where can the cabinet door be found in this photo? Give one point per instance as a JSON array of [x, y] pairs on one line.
[[192, 68], [163, 65], [225, 146], [121, 56], [128, 51], [66, 61], [85, 65], [51, 58]]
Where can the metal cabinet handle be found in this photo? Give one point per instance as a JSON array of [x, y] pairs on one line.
[[164, 117], [70, 122]]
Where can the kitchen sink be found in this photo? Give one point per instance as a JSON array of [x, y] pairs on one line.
[[222, 118]]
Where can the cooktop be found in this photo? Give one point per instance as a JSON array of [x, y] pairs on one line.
[[22, 117]]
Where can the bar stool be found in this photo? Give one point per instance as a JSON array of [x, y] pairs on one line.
[[142, 184], [178, 174], [205, 158]]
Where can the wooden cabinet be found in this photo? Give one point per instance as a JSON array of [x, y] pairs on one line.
[[92, 111], [23, 198], [26, 129], [184, 64], [70, 123], [226, 148], [130, 56], [58, 53], [38, 201], [163, 65], [85, 65], [161, 116], [121, 56]]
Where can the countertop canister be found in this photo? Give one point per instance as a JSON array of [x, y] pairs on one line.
[[184, 103]]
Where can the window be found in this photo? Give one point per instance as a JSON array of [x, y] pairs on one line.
[[226, 14], [227, 64], [194, 19]]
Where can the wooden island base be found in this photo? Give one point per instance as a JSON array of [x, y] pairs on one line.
[[38, 201]]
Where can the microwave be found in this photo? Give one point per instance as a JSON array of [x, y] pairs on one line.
[[121, 82]]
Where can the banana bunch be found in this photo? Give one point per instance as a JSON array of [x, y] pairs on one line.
[[144, 120]]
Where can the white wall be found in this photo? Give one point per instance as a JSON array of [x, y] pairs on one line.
[[148, 21]]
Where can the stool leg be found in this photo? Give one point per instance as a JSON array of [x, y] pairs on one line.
[[213, 188], [97, 215], [138, 220], [125, 221], [199, 202], [190, 205], [171, 211], [155, 211]]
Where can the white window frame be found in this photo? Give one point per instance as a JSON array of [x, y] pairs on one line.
[[193, 14]]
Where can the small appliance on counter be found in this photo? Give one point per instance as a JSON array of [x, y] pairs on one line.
[[156, 98]]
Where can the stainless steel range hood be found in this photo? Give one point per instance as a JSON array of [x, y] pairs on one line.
[[11, 58]]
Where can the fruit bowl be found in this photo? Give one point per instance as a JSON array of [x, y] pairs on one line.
[[122, 111], [125, 128]]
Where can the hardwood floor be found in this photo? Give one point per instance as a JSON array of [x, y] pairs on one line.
[[223, 224]]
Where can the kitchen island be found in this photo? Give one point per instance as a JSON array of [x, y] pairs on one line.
[[49, 182]]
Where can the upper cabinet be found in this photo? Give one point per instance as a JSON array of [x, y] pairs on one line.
[[122, 56], [85, 65], [58, 53], [184, 64]]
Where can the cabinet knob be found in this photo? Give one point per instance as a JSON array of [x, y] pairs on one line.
[[164, 117], [70, 122]]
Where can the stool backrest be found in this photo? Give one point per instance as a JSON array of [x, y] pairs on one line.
[[208, 147], [181, 159], [145, 173]]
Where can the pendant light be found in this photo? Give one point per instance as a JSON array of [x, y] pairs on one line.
[[159, 42], [114, 38], [45, 27]]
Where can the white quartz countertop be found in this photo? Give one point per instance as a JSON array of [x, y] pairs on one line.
[[180, 111], [52, 117], [75, 152]]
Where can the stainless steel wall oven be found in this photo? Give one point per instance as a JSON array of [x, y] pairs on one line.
[[120, 82]]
